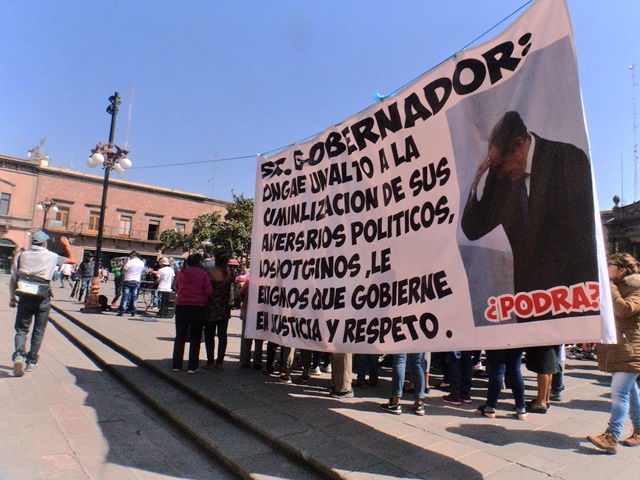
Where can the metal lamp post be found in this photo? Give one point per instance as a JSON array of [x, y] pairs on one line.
[[111, 157], [47, 205]]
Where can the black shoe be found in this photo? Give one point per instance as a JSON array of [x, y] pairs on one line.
[[419, 409], [532, 408], [451, 400], [555, 397], [394, 408], [121, 314]]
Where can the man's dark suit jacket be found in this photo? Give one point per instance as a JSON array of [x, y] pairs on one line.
[[556, 245]]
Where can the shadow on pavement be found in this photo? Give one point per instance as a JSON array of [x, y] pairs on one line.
[[136, 436], [500, 436], [302, 415]]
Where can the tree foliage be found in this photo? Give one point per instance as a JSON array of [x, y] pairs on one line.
[[174, 240], [211, 232], [234, 235]]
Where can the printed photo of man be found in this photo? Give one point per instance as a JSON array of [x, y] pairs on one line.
[[540, 192]]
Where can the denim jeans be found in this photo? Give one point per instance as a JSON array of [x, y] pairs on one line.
[[118, 290], [416, 360], [129, 297], [624, 400], [557, 380], [85, 288], [29, 308], [499, 363], [460, 374]]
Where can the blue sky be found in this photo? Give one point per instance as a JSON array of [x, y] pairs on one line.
[[226, 79]]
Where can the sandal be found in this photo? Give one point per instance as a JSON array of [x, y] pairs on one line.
[[486, 411]]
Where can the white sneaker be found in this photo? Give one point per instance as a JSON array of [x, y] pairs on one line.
[[314, 371], [326, 369], [31, 367]]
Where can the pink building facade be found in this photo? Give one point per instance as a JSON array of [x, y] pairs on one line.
[[135, 214]]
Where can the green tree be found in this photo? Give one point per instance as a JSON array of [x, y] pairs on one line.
[[234, 234], [204, 233], [211, 232], [174, 240]]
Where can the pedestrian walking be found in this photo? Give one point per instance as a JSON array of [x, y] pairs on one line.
[[86, 271], [118, 280], [30, 292], [622, 359], [65, 274]]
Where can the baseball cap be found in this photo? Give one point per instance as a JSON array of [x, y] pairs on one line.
[[39, 237]]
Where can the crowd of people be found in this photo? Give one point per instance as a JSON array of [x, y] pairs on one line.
[[208, 289]]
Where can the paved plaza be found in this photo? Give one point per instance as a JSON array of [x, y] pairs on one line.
[[70, 420]]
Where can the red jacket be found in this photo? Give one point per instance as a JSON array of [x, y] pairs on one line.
[[193, 286]]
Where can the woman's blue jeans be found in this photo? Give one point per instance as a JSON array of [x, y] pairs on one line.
[[416, 360], [624, 400], [500, 363]]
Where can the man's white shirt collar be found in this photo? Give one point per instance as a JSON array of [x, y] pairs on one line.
[[527, 168]]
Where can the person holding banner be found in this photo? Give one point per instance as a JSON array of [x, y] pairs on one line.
[[503, 364], [622, 359], [397, 381], [540, 192]]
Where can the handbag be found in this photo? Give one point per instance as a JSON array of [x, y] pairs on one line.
[[31, 286]]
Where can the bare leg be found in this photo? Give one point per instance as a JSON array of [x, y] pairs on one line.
[[544, 389]]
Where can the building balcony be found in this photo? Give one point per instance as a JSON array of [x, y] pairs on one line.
[[76, 228]]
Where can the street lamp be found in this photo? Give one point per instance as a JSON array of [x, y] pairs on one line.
[[47, 205], [111, 157]]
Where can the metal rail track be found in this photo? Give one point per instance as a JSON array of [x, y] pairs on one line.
[[220, 422]]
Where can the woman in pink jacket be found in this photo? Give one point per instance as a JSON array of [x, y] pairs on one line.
[[194, 288]]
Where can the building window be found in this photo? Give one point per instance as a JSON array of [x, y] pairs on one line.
[[5, 200], [62, 217], [94, 221], [125, 225], [153, 233], [181, 227]]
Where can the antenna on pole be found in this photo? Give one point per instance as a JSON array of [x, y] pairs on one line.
[[126, 138], [635, 132], [212, 180]]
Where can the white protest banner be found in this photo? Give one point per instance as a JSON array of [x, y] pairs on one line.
[[457, 214]]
